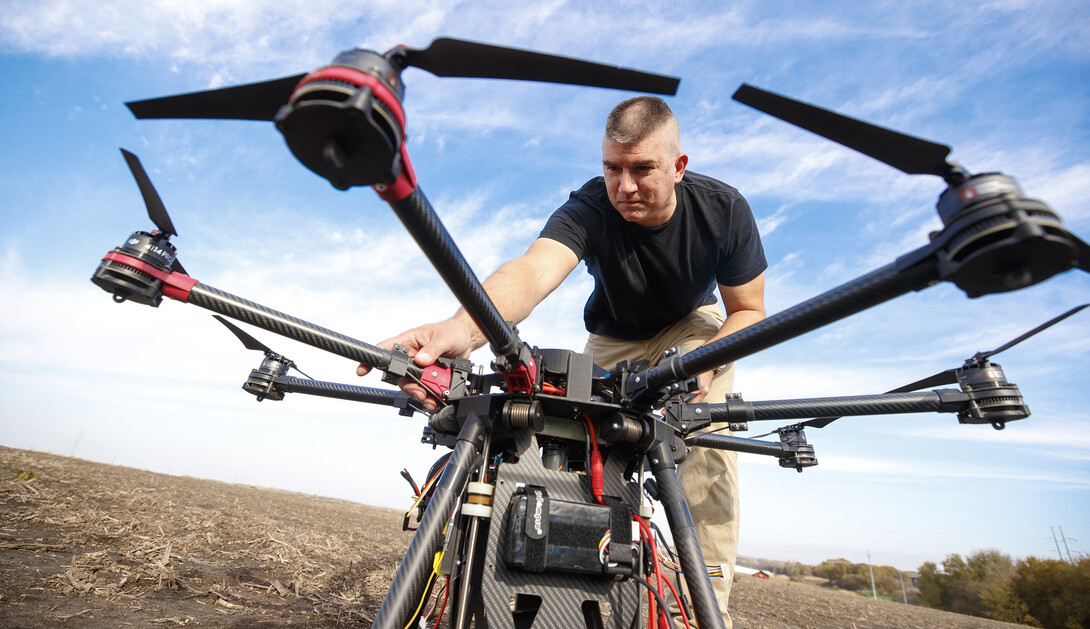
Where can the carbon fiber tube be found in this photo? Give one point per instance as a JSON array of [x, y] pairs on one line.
[[371, 395], [869, 290], [412, 576], [418, 216], [705, 606], [880, 404], [286, 325], [737, 444]]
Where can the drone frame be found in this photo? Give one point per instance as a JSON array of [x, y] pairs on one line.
[[1031, 246]]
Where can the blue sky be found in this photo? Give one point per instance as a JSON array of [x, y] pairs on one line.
[[1004, 83]]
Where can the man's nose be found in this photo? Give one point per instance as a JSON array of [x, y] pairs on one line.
[[627, 184]]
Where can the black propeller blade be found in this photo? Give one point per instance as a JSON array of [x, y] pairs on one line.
[[444, 57], [459, 58], [253, 101], [904, 152], [937, 380], [950, 375], [252, 343], [1044, 326], [156, 210], [247, 340], [1084, 254]]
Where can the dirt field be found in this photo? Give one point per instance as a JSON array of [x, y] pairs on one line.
[[89, 545]]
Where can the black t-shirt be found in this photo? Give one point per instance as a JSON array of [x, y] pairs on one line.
[[646, 279]]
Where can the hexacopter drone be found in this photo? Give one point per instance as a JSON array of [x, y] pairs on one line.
[[537, 516]]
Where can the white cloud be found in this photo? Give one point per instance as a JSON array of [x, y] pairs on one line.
[[906, 470]]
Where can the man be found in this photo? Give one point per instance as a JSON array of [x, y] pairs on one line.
[[657, 241]]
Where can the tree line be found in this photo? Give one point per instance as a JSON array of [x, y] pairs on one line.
[[1046, 593]]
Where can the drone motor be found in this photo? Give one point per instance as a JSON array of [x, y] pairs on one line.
[[344, 121], [992, 400], [797, 453], [129, 283], [261, 381], [1000, 240]]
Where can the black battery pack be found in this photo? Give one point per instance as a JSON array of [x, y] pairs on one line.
[[555, 535]]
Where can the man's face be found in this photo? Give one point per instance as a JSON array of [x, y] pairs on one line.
[[640, 178]]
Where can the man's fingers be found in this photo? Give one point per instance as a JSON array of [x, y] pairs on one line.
[[424, 358], [418, 393]]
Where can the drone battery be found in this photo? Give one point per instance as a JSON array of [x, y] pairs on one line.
[[554, 535]]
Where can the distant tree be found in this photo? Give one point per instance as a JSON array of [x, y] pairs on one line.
[[932, 585], [1055, 594], [833, 569], [856, 577], [967, 586]]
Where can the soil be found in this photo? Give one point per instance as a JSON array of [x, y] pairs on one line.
[[85, 544]]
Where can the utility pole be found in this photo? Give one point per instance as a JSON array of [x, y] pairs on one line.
[[1057, 543], [1065, 544], [904, 594], [872, 588]]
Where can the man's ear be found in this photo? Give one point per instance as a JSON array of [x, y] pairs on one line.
[[679, 166]]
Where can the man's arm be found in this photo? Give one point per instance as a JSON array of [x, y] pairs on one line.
[[516, 288], [520, 285], [745, 305]]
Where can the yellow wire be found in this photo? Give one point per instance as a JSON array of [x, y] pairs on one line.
[[423, 492], [436, 562]]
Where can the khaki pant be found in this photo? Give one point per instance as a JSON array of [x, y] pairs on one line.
[[709, 478]]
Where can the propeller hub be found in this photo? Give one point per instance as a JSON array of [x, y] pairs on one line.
[[997, 240], [345, 123], [154, 248]]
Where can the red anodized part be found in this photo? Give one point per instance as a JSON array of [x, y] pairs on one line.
[[406, 179], [521, 379], [175, 285], [437, 380]]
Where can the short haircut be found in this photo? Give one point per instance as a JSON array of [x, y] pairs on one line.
[[634, 119]]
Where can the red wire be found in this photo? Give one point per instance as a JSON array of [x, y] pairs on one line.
[[597, 480], [443, 608], [646, 532], [597, 485], [552, 389]]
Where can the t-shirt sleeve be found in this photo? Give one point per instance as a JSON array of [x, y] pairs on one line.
[[744, 257], [573, 225]]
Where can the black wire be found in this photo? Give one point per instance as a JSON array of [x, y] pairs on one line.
[[658, 597], [684, 600], [438, 398], [291, 364], [712, 432]]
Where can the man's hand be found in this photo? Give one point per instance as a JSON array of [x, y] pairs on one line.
[[705, 380], [451, 338], [516, 288]]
